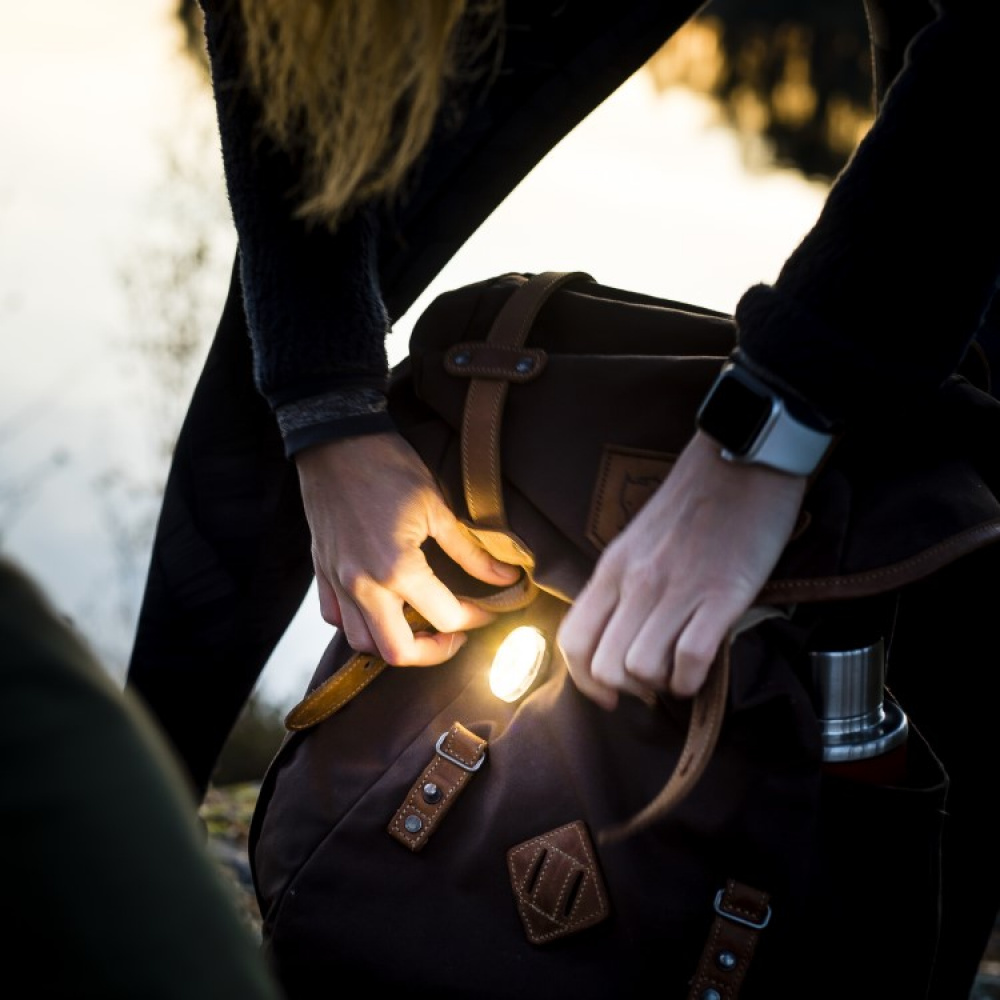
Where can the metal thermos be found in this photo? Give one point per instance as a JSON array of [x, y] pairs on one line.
[[864, 730]]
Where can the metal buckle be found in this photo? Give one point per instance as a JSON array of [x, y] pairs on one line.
[[755, 925], [447, 756]]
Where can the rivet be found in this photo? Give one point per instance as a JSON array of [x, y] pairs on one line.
[[524, 366], [711, 994], [413, 823], [461, 359], [431, 793], [725, 960]]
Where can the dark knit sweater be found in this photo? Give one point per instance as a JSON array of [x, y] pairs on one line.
[[868, 315]]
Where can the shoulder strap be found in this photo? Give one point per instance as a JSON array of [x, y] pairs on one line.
[[486, 394]]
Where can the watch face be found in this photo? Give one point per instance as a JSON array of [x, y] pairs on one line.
[[735, 413]]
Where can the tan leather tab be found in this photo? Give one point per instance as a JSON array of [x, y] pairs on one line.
[[335, 692], [707, 713], [478, 359], [458, 755], [741, 913], [557, 883], [627, 478]]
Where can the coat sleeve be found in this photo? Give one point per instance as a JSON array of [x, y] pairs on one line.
[[877, 305]]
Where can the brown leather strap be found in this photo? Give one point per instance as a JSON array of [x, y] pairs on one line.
[[741, 913], [708, 710], [458, 755], [488, 390], [362, 668], [336, 691]]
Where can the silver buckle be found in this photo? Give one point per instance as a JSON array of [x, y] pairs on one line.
[[755, 925], [471, 768]]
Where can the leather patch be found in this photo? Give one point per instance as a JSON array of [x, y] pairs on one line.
[[557, 884], [458, 756], [626, 479]]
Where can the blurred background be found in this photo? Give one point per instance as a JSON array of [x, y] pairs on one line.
[[116, 243]]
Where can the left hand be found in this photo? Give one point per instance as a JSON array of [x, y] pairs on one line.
[[667, 589]]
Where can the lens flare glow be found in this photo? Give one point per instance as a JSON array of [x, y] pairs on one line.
[[517, 663]]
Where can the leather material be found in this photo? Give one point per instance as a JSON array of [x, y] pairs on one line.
[[458, 755], [742, 914], [557, 883]]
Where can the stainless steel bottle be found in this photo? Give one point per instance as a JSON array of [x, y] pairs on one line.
[[864, 730]]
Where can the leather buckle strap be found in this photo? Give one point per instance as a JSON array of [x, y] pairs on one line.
[[741, 913], [481, 423], [458, 755]]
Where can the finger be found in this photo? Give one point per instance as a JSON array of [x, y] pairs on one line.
[[458, 545], [649, 658], [442, 618], [383, 618], [354, 625], [631, 611], [434, 648], [697, 647], [329, 605], [577, 639], [428, 595]]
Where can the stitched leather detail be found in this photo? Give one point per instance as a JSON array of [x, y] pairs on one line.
[[335, 692], [627, 478], [742, 912], [457, 757], [557, 883], [480, 441], [886, 578]]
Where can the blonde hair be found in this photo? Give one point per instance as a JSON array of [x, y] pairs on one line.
[[354, 87]]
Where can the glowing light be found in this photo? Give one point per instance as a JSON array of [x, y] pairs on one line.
[[517, 663]]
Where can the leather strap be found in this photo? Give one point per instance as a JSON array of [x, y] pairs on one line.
[[362, 668], [458, 755], [482, 421], [335, 692], [708, 709], [741, 913]]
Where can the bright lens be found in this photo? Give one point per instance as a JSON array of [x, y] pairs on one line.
[[517, 663]]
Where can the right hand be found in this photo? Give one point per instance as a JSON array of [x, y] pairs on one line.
[[371, 503]]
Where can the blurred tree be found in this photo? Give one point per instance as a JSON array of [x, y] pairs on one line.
[[794, 80], [190, 17]]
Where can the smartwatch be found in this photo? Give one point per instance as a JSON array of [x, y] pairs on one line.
[[752, 424]]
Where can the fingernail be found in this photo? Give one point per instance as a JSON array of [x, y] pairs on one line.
[[505, 569], [458, 640]]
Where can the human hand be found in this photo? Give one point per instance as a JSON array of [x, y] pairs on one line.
[[371, 503], [667, 589]]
